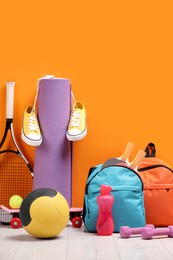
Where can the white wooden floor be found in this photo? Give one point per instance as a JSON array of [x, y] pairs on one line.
[[77, 244]]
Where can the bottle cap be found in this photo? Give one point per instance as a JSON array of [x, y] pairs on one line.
[[105, 189]]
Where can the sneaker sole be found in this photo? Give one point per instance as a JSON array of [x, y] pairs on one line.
[[76, 137], [29, 141]]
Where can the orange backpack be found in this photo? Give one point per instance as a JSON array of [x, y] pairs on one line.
[[157, 177]]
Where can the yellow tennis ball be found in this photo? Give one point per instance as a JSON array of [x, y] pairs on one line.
[[15, 201]]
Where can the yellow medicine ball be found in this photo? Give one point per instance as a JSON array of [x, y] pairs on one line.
[[44, 213]]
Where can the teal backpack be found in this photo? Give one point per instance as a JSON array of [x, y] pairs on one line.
[[127, 190]]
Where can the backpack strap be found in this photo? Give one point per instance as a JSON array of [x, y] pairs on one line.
[[150, 150]]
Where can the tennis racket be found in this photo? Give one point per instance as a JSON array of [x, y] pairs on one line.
[[16, 175]]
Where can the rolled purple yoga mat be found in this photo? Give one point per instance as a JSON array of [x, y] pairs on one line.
[[53, 158]]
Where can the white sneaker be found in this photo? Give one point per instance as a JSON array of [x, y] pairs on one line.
[[31, 133], [77, 128]]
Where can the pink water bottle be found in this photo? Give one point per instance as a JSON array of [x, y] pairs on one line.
[[105, 222]]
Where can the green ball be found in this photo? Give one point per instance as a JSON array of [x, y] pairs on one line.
[[15, 201]]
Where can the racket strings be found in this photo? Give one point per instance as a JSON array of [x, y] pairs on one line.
[[15, 177]]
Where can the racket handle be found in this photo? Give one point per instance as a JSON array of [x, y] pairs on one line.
[[9, 99], [127, 151], [134, 164]]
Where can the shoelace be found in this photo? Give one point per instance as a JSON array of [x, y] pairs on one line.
[[32, 123], [75, 114], [75, 119], [44, 77], [49, 77]]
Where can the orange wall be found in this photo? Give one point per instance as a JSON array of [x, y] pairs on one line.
[[118, 56]]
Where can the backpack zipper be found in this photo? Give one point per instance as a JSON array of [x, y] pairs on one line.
[[153, 167], [123, 166]]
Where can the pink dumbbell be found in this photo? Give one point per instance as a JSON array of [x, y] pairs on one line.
[[126, 231], [148, 233]]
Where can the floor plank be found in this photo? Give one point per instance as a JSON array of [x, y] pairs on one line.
[[43, 249], [90, 246], [19, 245], [75, 244], [137, 248]]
